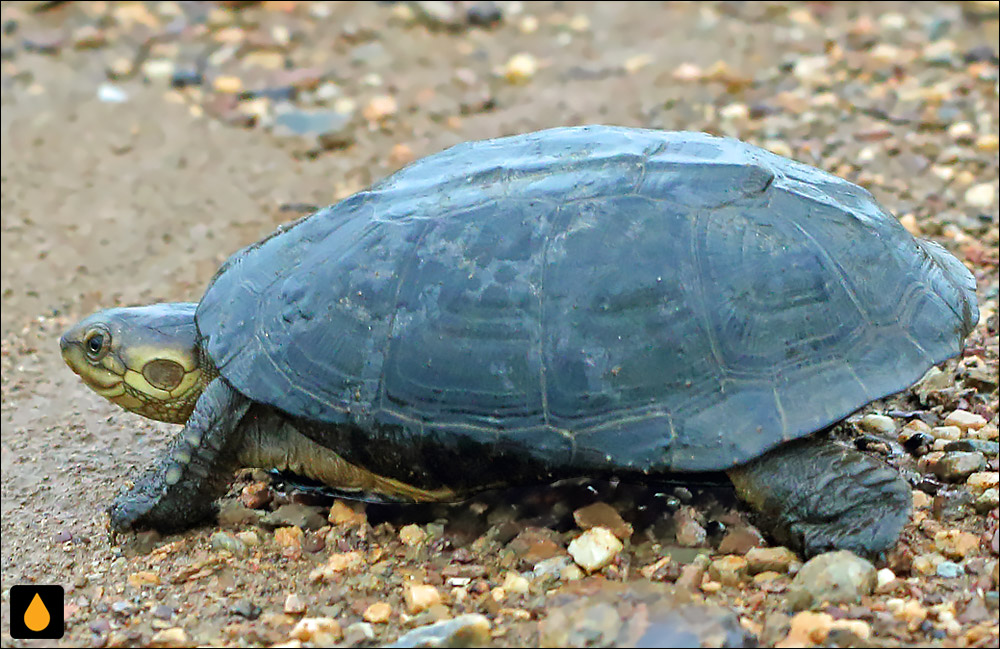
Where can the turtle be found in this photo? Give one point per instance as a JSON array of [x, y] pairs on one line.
[[592, 301]]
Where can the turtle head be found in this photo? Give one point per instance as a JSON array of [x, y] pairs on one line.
[[146, 359]]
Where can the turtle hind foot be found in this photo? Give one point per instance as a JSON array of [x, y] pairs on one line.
[[816, 496]]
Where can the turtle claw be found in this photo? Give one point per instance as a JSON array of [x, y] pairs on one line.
[[135, 508]]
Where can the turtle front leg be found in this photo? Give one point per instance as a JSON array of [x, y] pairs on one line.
[[816, 496], [180, 489]]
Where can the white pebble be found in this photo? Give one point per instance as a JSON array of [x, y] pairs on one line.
[[982, 195], [878, 424], [884, 576], [595, 548]]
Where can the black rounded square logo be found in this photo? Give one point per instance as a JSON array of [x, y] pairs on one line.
[[37, 612]]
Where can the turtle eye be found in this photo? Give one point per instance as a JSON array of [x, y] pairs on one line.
[[96, 343]]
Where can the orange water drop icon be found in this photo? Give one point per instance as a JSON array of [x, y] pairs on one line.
[[37, 617]]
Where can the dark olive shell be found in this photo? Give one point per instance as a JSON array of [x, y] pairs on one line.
[[591, 298]]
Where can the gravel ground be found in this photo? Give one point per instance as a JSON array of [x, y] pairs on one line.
[[145, 142]]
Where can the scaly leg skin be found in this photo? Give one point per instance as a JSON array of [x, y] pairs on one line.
[[180, 489], [817, 496]]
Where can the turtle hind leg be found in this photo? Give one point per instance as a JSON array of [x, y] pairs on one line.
[[180, 489], [816, 496]]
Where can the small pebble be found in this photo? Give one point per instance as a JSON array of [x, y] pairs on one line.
[[595, 548], [949, 570], [729, 570], [989, 432], [100, 626], [956, 544], [225, 541], [304, 517], [691, 576], [962, 418], [735, 112], [173, 637], [520, 68], [766, 576], [884, 577], [528, 25], [986, 501], [337, 563], [420, 597], [121, 608], [412, 535], [484, 14], [957, 466], [880, 424], [948, 433], [806, 629], [227, 84], [380, 108], [926, 564], [246, 609], [534, 544], [320, 631], [516, 584], [982, 195], [778, 559], [314, 542], [249, 538], [688, 72], [256, 495], [550, 568], [318, 129], [988, 143], [157, 69], [973, 445], [909, 221], [111, 94], [294, 604], [143, 578], [962, 131], [358, 633], [342, 514], [186, 78], [378, 613], [658, 570], [741, 540], [571, 572], [289, 537], [602, 515], [690, 533], [837, 577], [910, 611]]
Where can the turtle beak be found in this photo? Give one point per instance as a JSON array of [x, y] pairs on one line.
[[67, 342], [64, 344]]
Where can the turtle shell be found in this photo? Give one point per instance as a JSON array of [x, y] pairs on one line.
[[592, 297]]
